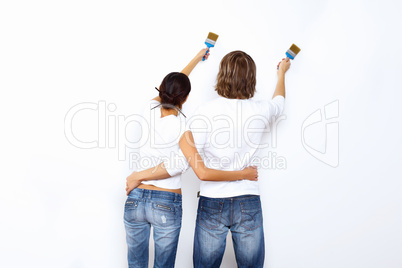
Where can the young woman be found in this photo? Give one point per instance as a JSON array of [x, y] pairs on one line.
[[154, 198]]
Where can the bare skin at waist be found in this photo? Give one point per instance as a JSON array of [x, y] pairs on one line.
[[153, 187]]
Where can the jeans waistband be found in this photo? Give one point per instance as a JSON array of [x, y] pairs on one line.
[[154, 194], [240, 197]]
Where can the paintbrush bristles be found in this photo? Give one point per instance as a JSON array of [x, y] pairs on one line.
[[212, 36], [295, 49]]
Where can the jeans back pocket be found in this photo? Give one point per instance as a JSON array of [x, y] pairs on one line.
[[166, 213], [210, 213], [251, 214], [130, 209]]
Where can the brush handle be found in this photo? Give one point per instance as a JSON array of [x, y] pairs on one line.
[[209, 46], [203, 58]]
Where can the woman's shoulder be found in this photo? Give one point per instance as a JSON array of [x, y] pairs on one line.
[[152, 104], [154, 101]]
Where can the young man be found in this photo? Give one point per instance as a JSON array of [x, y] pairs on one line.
[[228, 131]]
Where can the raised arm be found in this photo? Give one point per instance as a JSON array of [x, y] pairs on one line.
[[204, 173], [191, 65], [280, 85]]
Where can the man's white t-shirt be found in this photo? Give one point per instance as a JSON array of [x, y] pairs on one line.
[[160, 142], [228, 132]]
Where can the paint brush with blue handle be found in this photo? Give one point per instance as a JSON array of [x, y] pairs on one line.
[[210, 42], [292, 52]]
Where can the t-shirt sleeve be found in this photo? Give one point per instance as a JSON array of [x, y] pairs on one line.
[[273, 107], [176, 164]]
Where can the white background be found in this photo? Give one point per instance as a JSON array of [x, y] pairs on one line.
[[62, 206]]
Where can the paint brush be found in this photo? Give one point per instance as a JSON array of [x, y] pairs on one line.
[[210, 42], [292, 52]]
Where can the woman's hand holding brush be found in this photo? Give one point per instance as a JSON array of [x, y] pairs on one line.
[[283, 65], [202, 53]]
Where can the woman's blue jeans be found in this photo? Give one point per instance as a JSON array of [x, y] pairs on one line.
[[215, 216], [162, 210]]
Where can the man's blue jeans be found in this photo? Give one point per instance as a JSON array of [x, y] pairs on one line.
[[215, 216], [162, 210]]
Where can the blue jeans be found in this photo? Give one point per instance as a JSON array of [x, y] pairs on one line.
[[162, 210], [215, 216]]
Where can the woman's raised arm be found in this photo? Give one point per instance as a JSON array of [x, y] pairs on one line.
[[189, 68]]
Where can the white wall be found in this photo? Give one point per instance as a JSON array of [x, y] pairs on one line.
[[62, 206]]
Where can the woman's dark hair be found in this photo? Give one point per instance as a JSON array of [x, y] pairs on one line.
[[174, 90], [237, 76]]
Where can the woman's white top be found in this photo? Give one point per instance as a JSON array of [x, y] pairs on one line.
[[160, 142], [228, 133]]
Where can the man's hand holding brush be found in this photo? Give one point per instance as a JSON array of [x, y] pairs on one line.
[[283, 65]]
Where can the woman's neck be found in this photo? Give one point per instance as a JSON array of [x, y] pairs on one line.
[[166, 112]]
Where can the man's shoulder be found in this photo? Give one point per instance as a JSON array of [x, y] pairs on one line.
[[213, 102], [209, 105]]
